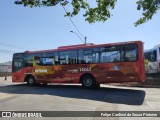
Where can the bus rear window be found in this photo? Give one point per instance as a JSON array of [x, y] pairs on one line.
[[151, 55]]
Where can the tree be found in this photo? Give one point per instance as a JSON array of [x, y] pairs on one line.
[[99, 13]]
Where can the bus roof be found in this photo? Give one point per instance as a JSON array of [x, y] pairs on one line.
[[80, 46]]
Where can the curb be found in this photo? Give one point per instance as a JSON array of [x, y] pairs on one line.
[[147, 86]]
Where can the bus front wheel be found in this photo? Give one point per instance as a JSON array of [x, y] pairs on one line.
[[88, 81], [30, 80]]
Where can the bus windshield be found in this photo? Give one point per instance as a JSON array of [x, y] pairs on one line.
[[151, 55]]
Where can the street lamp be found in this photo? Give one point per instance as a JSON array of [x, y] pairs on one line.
[[85, 38]]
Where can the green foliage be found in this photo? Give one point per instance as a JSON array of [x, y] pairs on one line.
[[99, 13], [149, 7], [146, 64]]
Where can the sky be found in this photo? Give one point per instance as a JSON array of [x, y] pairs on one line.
[[41, 28]]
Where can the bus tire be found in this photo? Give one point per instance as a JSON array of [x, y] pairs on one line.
[[88, 81], [31, 80]]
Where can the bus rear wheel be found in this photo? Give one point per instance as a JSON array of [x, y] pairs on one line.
[[88, 81], [30, 81]]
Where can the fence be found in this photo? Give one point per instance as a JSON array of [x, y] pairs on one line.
[[5, 74]]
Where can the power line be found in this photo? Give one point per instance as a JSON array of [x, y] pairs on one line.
[[12, 46], [15, 46], [73, 23], [77, 35], [7, 51]]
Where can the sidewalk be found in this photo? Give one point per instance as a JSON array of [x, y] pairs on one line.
[[4, 82], [149, 83]]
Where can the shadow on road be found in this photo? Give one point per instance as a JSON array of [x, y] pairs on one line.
[[104, 94]]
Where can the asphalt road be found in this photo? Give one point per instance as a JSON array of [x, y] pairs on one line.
[[20, 97]]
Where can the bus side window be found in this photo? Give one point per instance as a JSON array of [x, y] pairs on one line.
[[45, 61], [88, 55], [72, 57], [95, 57], [68, 57], [56, 58], [50, 55], [115, 56], [31, 59], [28, 60], [63, 58], [103, 56], [131, 52], [110, 54], [81, 57]]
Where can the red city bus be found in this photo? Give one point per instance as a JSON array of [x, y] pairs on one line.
[[87, 64]]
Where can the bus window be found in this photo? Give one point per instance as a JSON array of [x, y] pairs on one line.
[[72, 57], [56, 58], [151, 55], [88, 53], [29, 59], [95, 57], [110, 54], [50, 55], [68, 57], [81, 59], [43, 55], [18, 62], [131, 52], [62, 58], [46, 61], [154, 55], [88, 56]]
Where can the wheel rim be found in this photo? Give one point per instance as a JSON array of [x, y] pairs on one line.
[[30, 81], [88, 82]]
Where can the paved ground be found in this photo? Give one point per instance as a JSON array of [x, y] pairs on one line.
[[20, 97]]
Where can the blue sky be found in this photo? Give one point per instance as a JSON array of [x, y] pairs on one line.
[[23, 28]]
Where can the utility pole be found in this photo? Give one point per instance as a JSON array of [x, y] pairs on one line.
[[85, 38]]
